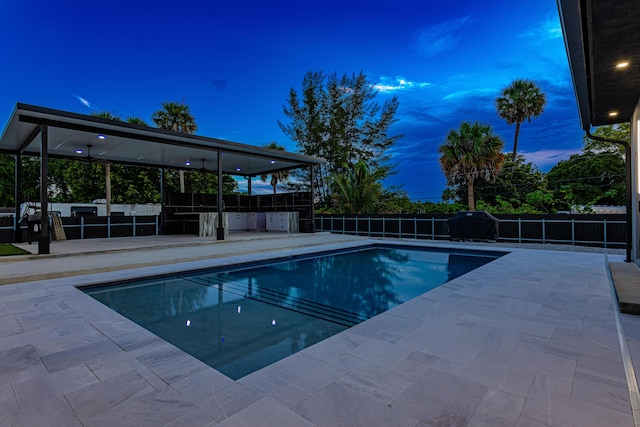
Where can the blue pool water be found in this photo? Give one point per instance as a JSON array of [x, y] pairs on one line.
[[243, 318]]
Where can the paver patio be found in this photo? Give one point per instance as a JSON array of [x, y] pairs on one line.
[[529, 339]]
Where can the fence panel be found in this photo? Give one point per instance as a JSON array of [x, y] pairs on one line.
[[588, 230]]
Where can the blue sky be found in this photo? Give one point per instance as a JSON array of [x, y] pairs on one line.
[[234, 63]]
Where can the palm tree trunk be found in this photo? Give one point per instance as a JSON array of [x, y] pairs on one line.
[[515, 142], [470, 198]]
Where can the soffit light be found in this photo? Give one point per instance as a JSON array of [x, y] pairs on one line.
[[273, 161], [622, 64], [188, 163], [613, 114], [101, 136], [78, 151]]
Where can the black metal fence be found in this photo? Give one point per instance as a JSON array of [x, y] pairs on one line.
[[92, 227], [608, 231]]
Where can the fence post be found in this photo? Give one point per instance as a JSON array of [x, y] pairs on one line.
[[399, 227], [415, 228], [357, 229], [573, 232], [108, 227], [81, 227], [605, 232], [543, 233], [383, 226], [433, 228], [134, 226], [156, 225], [519, 230], [369, 226]]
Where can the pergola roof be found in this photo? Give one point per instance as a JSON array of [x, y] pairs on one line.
[[126, 143], [599, 35]]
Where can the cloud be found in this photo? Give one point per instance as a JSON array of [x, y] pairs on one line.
[[546, 158], [482, 93], [399, 83], [219, 85], [83, 101], [439, 38], [546, 30]]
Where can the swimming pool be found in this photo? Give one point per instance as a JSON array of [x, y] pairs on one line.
[[242, 318]]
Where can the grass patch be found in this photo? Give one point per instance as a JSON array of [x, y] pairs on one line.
[[7, 249]]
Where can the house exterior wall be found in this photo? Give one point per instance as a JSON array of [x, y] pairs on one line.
[[635, 181]]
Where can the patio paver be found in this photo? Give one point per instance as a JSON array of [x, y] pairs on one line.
[[528, 339]]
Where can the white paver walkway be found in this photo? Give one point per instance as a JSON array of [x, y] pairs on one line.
[[526, 340]]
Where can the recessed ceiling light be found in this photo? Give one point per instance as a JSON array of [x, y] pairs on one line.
[[101, 136], [78, 151], [238, 169], [623, 64], [188, 163], [613, 114], [273, 161]]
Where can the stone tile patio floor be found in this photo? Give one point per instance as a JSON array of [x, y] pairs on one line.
[[527, 340]]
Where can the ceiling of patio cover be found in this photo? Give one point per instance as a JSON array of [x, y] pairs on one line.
[[72, 136]]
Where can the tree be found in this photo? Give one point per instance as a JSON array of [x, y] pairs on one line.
[[137, 121], [176, 116], [589, 178], [520, 101], [468, 154], [620, 131], [276, 177], [7, 179], [338, 119], [357, 189], [512, 184]]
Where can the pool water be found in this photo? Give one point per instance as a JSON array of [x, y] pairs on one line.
[[241, 319]]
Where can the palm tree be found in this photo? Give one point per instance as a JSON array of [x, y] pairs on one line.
[[358, 189], [276, 177], [176, 116], [471, 153], [136, 121], [520, 101]]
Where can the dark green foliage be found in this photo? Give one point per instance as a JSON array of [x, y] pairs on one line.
[[472, 153], [621, 132], [517, 184], [338, 119], [589, 178], [7, 172], [520, 101], [175, 116], [357, 189], [199, 182]]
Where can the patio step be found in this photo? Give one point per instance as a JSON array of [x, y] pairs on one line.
[[626, 278]]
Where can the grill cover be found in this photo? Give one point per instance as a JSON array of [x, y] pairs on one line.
[[478, 225]]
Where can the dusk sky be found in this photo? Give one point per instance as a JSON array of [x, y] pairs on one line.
[[234, 62]]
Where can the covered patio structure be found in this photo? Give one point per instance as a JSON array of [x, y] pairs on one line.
[[603, 47], [47, 133]]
